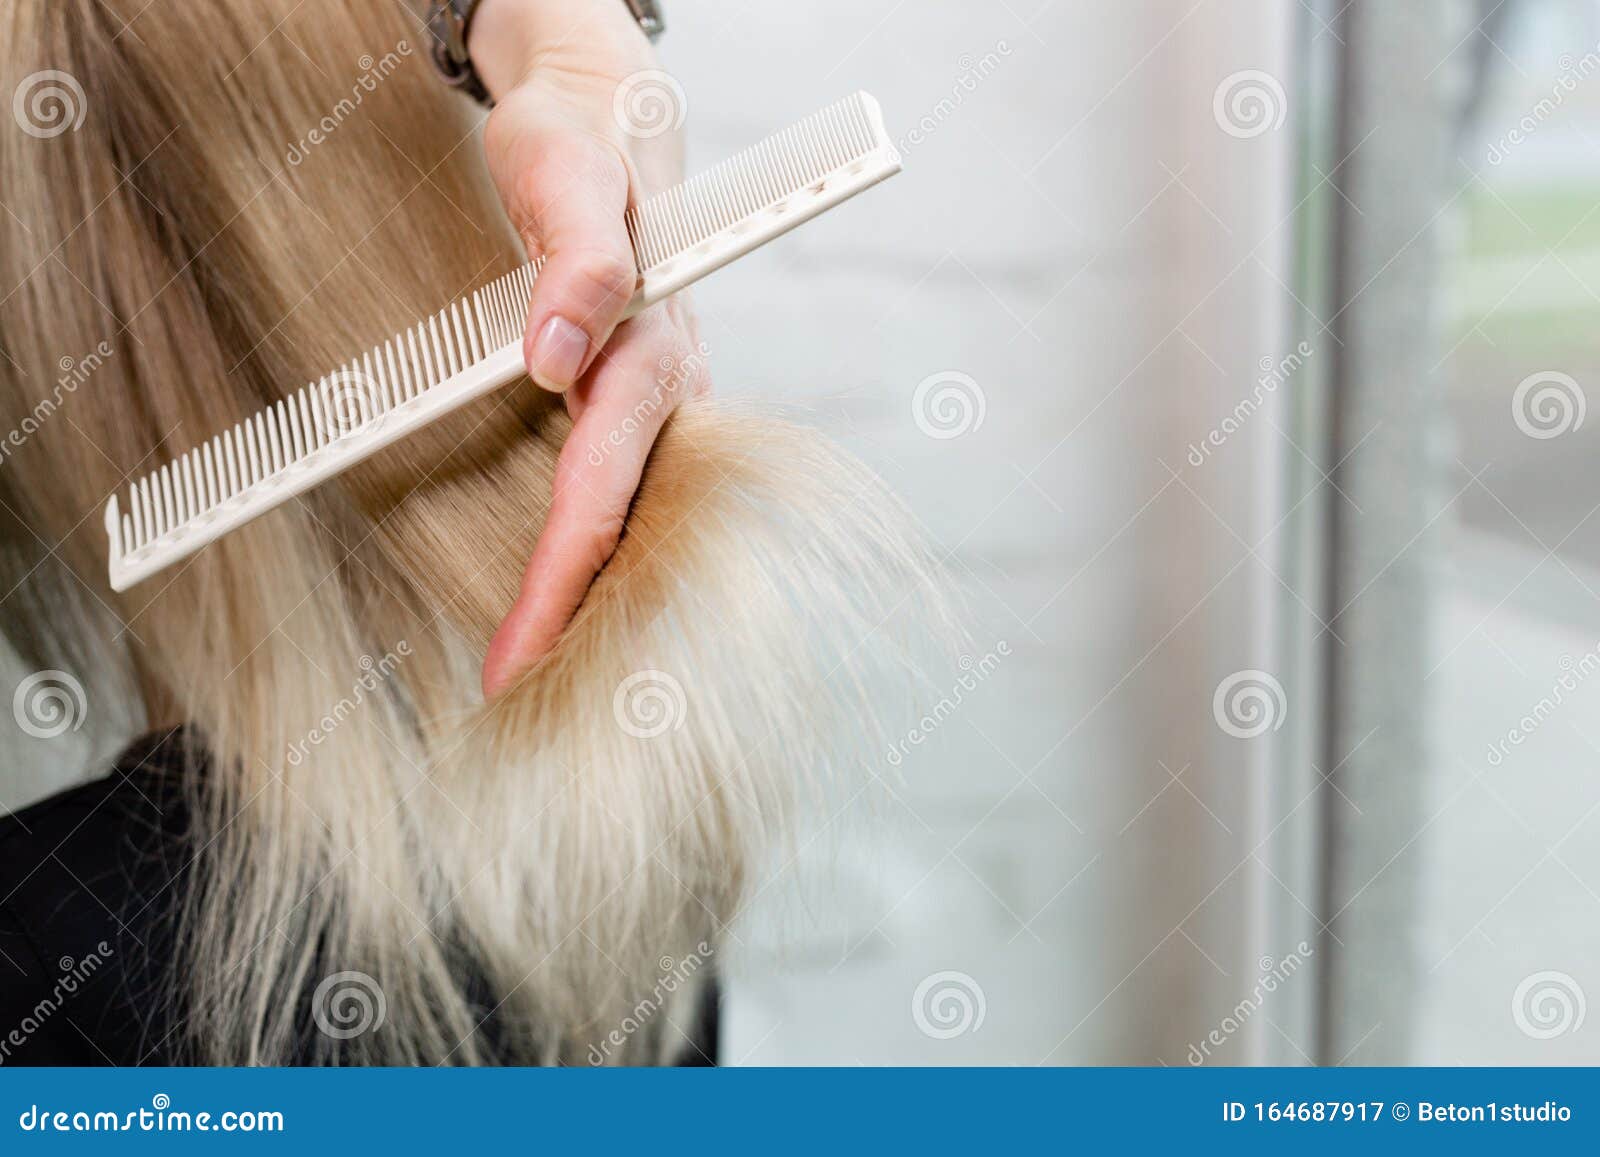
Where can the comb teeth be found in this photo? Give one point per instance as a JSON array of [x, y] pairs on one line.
[[475, 344], [354, 399], [755, 181]]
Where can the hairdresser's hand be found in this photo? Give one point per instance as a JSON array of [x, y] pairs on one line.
[[577, 136]]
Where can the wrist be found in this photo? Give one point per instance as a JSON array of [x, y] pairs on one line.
[[510, 40]]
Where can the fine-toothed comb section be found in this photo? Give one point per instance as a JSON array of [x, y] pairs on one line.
[[475, 345], [674, 222]]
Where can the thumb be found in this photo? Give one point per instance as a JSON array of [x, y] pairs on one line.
[[567, 191]]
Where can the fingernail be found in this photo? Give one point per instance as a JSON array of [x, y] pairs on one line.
[[558, 354]]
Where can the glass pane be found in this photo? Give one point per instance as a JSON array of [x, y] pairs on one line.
[[1511, 865]]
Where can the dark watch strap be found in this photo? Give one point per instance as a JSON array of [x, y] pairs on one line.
[[450, 22], [648, 14]]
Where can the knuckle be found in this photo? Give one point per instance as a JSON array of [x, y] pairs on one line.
[[607, 274], [607, 533], [597, 546]]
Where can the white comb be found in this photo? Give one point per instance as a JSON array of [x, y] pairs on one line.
[[475, 345]]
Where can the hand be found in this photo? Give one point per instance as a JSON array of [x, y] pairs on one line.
[[567, 167]]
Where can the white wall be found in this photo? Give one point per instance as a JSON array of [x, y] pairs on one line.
[[1080, 238]]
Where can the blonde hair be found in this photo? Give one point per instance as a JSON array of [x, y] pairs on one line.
[[362, 811]]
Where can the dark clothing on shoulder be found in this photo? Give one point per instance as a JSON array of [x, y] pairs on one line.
[[91, 881]]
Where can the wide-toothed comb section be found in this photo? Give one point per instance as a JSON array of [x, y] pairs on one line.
[[755, 181]]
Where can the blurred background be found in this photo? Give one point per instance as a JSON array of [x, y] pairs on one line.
[[1263, 330], [1234, 354]]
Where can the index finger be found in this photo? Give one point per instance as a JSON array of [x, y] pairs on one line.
[[596, 478]]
